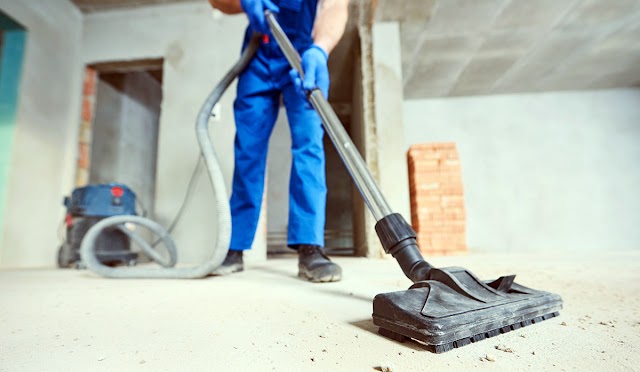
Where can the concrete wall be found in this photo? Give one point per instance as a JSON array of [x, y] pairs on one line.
[[44, 147], [198, 48], [125, 135], [387, 74], [12, 45], [551, 171]]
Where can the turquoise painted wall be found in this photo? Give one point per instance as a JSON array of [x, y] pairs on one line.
[[11, 55]]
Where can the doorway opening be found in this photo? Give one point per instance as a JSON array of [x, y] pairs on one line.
[[120, 127]]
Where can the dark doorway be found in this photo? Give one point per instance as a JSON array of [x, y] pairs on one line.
[[125, 128]]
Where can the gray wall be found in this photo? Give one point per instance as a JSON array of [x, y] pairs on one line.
[[43, 155], [125, 134], [198, 47], [551, 171]]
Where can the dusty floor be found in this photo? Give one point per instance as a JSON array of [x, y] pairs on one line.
[[266, 319]]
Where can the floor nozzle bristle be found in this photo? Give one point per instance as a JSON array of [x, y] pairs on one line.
[[438, 349]]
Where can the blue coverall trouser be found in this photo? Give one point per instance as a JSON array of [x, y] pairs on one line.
[[256, 109]]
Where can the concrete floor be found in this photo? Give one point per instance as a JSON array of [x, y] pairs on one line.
[[267, 319]]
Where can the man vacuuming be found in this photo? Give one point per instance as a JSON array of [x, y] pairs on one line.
[[314, 27]]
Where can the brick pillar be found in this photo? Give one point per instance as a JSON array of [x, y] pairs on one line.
[[437, 202], [86, 123]]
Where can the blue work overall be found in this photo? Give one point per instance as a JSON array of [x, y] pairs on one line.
[[256, 109]]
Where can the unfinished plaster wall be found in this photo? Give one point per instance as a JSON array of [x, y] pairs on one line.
[[198, 47], [550, 171], [387, 74], [42, 166]]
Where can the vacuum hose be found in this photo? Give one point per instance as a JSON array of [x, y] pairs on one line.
[[223, 228]]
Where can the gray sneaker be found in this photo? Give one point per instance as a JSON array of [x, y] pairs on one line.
[[231, 264], [315, 266]]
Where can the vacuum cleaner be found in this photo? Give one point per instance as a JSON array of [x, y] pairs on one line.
[[87, 206], [445, 308]]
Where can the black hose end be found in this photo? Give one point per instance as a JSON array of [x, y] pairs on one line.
[[392, 230], [399, 239]]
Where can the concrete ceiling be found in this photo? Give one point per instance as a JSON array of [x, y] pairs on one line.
[[479, 47], [476, 47]]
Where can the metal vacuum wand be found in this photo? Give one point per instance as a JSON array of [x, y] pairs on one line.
[[346, 149], [396, 235]]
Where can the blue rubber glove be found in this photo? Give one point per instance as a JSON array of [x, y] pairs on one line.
[[255, 12], [316, 72]]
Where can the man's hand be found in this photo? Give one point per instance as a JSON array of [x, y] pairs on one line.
[[316, 71], [255, 12]]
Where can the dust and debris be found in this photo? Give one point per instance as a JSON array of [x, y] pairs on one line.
[[607, 323], [384, 368], [322, 336], [324, 350], [564, 324], [488, 358], [524, 335], [142, 362], [533, 353], [101, 359], [504, 348], [75, 339], [313, 359]]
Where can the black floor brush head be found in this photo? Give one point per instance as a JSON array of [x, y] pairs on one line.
[[454, 308], [467, 340]]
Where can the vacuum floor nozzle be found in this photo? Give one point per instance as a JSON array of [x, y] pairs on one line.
[[454, 308]]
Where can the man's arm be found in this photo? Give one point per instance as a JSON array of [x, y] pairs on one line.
[[227, 6], [331, 20]]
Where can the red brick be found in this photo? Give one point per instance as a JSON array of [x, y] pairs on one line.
[[83, 156], [453, 163], [437, 198], [434, 145], [87, 109], [89, 87], [452, 201]]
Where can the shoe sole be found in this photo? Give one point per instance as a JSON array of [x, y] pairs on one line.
[[319, 277], [226, 270]]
